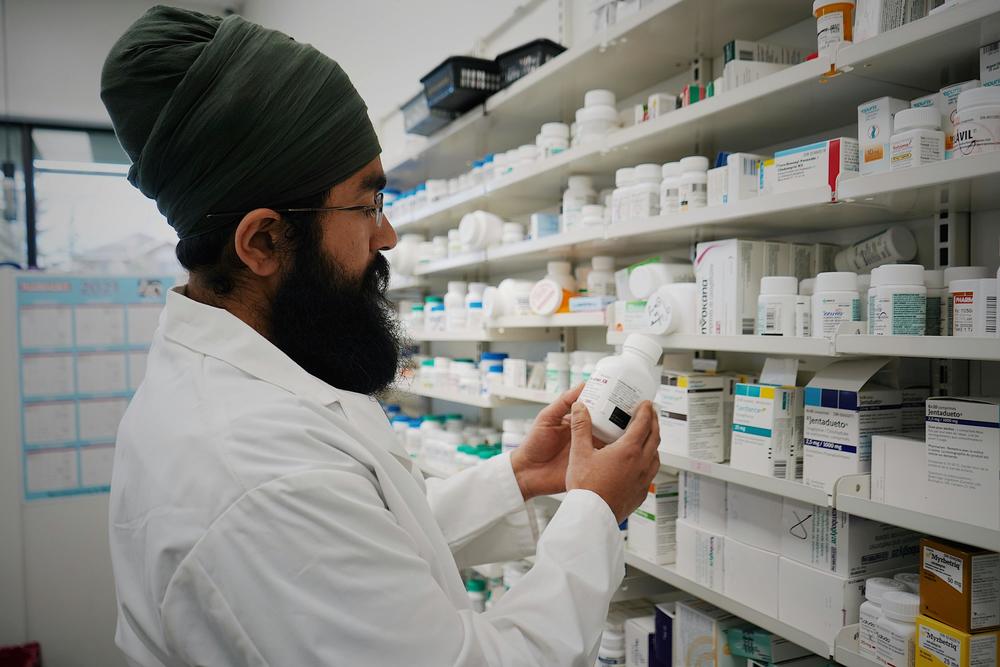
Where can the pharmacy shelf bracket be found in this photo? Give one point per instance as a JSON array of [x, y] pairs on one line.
[[858, 486]]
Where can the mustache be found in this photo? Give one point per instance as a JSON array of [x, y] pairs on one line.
[[376, 277]]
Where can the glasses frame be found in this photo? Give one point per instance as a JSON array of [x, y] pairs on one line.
[[377, 207]]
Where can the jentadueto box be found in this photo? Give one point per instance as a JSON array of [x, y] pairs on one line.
[[963, 459], [844, 407]]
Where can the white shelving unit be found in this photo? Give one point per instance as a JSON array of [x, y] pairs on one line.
[[559, 320], [487, 335], [723, 471], [527, 395], [668, 574], [845, 649], [463, 398], [930, 347], [772, 345]]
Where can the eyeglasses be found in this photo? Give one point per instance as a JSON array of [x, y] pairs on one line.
[[374, 212]]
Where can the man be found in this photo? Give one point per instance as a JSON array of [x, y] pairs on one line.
[[262, 512]]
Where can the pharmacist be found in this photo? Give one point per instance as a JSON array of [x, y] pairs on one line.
[[262, 512]]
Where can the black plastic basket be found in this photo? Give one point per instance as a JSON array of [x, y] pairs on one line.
[[526, 59], [460, 83], [419, 118]]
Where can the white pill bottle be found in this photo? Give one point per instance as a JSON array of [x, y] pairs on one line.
[[834, 300], [871, 611], [619, 383], [896, 629], [900, 301]]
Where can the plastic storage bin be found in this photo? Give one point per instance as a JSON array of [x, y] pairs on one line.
[[419, 118], [460, 83], [526, 58]]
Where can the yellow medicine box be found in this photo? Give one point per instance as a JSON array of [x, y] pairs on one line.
[[940, 645]]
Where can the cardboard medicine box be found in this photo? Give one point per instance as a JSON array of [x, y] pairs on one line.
[[817, 603], [843, 409], [754, 517], [651, 527], [640, 636], [899, 471], [939, 645], [700, 637], [834, 541], [874, 132], [691, 409], [767, 430], [963, 459], [701, 555], [728, 275], [703, 501], [815, 165], [756, 644], [959, 585], [750, 576]]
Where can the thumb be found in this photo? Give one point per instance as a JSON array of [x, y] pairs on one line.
[[581, 437]]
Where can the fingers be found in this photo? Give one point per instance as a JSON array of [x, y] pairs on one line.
[[652, 442], [638, 428], [581, 439], [555, 411]]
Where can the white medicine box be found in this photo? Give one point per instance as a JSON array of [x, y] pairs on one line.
[[700, 635], [848, 546], [767, 430], [651, 527], [691, 409], [844, 407], [963, 459], [753, 517], [751, 576], [728, 275], [703, 501], [875, 131], [824, 163], [899, 471], [817, 603], [700, 555]]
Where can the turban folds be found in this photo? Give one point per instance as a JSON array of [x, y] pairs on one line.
[[223, 115]]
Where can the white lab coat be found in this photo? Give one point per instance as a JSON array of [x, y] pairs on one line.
[[262, 517]]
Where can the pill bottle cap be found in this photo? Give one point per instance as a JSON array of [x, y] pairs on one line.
[[977, 96], [807, 286], [934, 279], [580, 183], [918, 117], [598, 97], [645, 346], [900, 606], [649, 172], [694, 163], [876, 587], [603, 263], [559, 268], [965, 273], [779, 285], [901, 274], [819, 4], [624, 176], [556, 130], [910, 579], [837, 281], [671, 170]]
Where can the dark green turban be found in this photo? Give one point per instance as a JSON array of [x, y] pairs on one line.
[[224, 115]]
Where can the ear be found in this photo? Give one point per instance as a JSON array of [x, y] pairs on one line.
[[257, 241]]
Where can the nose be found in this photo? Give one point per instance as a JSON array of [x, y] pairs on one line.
[[385, 237]]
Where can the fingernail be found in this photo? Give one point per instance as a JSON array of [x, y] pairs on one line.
[[577, 407]]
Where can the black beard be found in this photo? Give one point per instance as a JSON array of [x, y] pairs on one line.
[[343, 331]]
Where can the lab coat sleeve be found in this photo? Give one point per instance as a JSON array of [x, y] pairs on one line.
[[312, 569], [482, 513]]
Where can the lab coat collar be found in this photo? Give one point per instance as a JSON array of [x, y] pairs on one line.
[[215, 332]]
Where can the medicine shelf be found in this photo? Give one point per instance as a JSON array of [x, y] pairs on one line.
[[780, 346], [965, 183], [725, 472], [398, 283], [531, 254], [853, 495], [637, 52], [525, 394], [590, 319], [486, 335], [845, 649], [454, 396], [933, 347], [456, 264], [668, 574]]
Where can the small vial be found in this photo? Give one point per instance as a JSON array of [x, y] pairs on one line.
[[619, 383], [896, 628], [871, 611]]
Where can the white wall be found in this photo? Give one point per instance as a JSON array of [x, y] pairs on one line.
[[57, 48]]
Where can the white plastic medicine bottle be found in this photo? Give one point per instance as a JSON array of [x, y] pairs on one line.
[[776, 310], [952, 274], [900, 301], [917, 138], [937, 299], [645, 197], [579, 193], [601, 280], [670, 188], [621, 198], [834, 301], [454, 305], [619, 383], [896, 629], [871, 611]]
